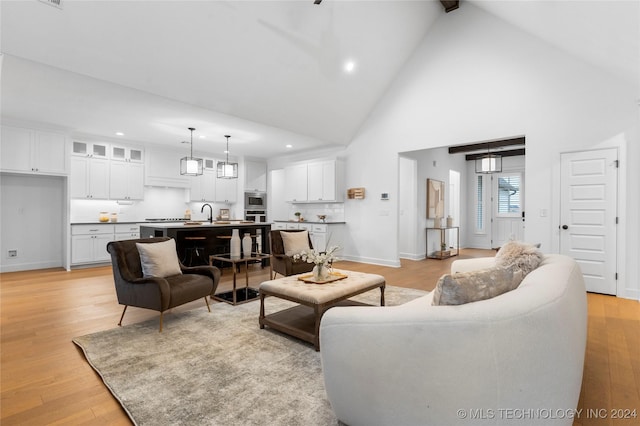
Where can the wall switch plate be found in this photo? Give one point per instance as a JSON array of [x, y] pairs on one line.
[[12, 253]]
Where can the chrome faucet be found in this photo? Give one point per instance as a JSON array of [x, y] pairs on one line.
[[210, 211]]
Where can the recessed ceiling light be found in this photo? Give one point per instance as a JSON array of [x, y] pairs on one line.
[[350, 66], [119, 133], [202, 136], [289, 146]]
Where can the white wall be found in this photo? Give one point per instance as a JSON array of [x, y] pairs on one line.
[[476, 78], [33, 215], [409, 211]]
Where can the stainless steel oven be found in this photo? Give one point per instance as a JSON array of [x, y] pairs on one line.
[[255, 215], [255, 201]]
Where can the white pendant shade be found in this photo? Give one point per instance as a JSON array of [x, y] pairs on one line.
[[489, 163], [227, 170], [190, 166]]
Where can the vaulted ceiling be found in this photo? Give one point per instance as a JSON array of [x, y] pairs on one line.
[[270, 73]]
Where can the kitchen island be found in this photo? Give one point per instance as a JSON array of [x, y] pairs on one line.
[[206, 238]]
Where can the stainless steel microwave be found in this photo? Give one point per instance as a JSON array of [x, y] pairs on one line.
[[255, 200]]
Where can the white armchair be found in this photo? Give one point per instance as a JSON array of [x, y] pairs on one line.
[[419, 364]]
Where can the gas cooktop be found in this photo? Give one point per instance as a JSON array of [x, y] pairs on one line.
[[167, 219]]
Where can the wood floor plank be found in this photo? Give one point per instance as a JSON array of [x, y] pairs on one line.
[[46, 380]]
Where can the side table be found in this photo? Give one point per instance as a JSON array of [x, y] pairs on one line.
[[246, 294]]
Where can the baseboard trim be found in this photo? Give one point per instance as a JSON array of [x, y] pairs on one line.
[[31, 266], [413, 256], [372, 261]]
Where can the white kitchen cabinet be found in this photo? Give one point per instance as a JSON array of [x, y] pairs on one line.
[[126, 231], [323, 235], [90, 149], [203, 187], [327, 235], [314, 182], [295, 178], [126, 181], [89, 243], [33, 151], [162, 168], [89, 178], [255, 177], [127, 154], [322, 179], [226, 190]]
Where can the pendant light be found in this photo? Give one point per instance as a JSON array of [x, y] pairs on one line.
[[190, 166], [489, 163], [227, 170]]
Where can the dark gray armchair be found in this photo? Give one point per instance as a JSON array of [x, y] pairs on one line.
[[159, 294], [280, 262]]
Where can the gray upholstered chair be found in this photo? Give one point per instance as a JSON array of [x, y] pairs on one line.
[[159, 294], [280, 262]]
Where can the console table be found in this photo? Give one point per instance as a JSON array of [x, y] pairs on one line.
[[443, 254]]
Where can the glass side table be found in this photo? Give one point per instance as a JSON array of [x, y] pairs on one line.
[[239, 295]]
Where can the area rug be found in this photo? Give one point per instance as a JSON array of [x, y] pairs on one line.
[[217, 368]]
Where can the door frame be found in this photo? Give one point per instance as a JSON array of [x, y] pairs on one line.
[[619, 144], [495, 201]]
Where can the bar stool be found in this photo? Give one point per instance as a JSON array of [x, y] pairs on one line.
[[193, 246]]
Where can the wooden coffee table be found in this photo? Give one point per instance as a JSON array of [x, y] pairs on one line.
[[303, 321]]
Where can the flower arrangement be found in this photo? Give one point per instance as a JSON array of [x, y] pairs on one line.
[[319, 258], [322, 259]]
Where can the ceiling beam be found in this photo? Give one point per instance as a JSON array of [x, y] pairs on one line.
[[486, 145], [509, 153], [450, 5]]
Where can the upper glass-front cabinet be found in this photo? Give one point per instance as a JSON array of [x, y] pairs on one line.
[[90, 149], [122, 153]]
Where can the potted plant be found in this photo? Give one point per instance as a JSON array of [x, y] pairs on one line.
[[297, 215]]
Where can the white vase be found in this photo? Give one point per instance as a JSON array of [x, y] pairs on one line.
[[235, 243], [320, 272], [246, 245]]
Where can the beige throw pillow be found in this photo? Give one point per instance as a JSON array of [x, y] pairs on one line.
[[159, 259], [519, 255], [466, 287], [295, 242]]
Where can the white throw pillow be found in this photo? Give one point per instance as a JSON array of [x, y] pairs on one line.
[[159, 259], [516, 254], [295, 242]]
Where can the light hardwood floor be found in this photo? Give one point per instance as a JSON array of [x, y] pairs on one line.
[[45, 379]]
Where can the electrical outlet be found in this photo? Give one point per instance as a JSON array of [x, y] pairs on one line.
[[12, 253]]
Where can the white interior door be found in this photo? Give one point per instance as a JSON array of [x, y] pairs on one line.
[[508, 201], [588, 197]]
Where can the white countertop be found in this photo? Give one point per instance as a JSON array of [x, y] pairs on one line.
[[205, 224], [328, 222]]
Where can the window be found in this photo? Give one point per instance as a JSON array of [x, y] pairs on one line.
[[509, 200], [480, 204]]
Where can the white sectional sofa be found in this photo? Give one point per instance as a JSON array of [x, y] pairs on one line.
[[514, 359]]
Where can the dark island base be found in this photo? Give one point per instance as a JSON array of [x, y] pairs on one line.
[[209, 240]]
